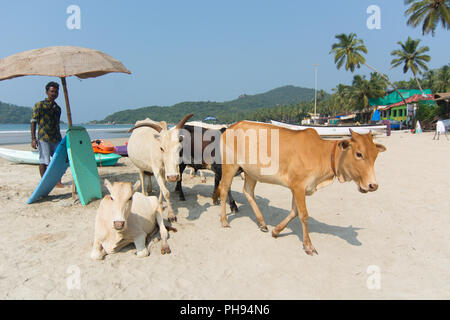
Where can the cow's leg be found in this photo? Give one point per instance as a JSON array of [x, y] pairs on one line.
[[228, 172], [162, 231], [142, 177], [179, 186], [165, 192], [280, 227], [232, 203], [249, 192], [202, 176], [97, 252], [300, 200], [149, 186], [217, 169], [139, 242]]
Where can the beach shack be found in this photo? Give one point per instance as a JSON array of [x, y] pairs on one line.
[[392, 107]]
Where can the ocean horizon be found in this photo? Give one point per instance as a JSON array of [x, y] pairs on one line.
[[21, 133]]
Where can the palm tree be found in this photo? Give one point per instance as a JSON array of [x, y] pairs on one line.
[[430, 12], [411, 57], [443, 79], [343, 99], [349, 50], [362, 90], [429, 79]]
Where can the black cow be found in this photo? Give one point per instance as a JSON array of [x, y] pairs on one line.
[[205, 163]]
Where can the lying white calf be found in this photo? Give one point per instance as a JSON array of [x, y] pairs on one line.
[[127, 216]]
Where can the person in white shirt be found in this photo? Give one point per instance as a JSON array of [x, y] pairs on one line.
[[440, 129]]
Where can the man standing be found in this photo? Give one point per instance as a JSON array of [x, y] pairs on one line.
[[47, 115]]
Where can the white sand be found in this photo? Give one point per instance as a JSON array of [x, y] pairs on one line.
[[403, 229]]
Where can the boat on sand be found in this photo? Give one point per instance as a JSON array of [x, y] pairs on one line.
[[335, 131]]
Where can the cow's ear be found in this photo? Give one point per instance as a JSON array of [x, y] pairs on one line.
[[136, 186], [344, 144], [108, 185], [380, 147], [157, 137]]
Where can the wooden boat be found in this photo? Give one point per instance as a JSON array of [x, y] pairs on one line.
[[335, 131]]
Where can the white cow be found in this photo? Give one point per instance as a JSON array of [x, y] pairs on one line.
[[154, 150], [126, 216]]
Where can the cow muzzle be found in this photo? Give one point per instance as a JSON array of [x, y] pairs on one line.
[[370, 188], [173, 178], [119, 225]]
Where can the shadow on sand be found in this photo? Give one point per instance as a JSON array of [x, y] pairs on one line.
[[272, 215]]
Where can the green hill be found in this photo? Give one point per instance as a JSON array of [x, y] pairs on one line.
[[228, 111], [10, 113]]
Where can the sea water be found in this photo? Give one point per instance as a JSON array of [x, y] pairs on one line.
[[21, 133]]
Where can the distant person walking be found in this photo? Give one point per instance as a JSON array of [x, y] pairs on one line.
[[46, 114], [440, 129]]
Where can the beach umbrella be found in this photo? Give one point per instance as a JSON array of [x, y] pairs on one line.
[[62, 62]]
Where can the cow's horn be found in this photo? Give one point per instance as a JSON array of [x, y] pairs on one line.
[[151, 125], [183, 121]]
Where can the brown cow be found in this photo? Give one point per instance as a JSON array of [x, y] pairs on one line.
[[303, 162]]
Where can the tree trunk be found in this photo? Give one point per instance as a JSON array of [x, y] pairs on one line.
[[387, 79], [417, 80]]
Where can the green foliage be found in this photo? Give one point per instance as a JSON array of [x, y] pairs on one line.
[[245, 107], [427, 113], [429, 13], [10, 113], [348, 50], [411, 57], [438, 80]]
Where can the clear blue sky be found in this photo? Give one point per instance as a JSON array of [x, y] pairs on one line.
[[201, 50]]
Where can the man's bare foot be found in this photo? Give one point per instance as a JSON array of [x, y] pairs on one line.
[[60, 185]]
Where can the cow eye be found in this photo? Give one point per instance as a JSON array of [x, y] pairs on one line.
[[359, 155], [162, 149]]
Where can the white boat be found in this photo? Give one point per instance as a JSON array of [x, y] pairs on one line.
[[335, 130], [32, 157], [20, 156]]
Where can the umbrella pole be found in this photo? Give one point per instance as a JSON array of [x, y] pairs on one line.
[[66, 97], [69, 120]]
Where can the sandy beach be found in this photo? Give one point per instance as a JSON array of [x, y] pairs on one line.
[[402, 231]]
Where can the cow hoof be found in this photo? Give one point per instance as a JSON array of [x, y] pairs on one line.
[[264, 229], [165, 249], [172, 218], [310, 250], [217, 202], [234, 210], [143, 253], [225, 224], [182, 198], [96, 255], [275, 234]]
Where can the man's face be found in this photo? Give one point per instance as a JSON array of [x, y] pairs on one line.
[[52, 93]]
